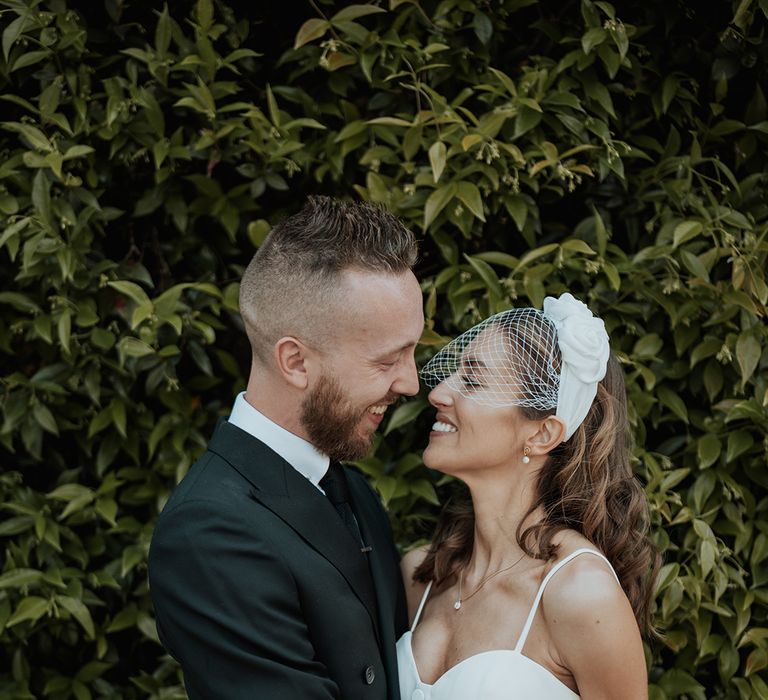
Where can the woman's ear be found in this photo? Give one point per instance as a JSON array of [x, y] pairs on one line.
[[550, 434], [290, 358]]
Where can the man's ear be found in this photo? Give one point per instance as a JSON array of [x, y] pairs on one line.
[[550, 434], [290, 358]]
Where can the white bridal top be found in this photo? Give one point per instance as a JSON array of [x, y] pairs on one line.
[[500, 674]]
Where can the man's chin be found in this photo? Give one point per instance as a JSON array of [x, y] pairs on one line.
[[360, 446]]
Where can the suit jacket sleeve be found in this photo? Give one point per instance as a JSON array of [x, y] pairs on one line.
[[228, 609]]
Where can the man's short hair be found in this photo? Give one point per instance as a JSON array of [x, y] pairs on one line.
[[292, 280]]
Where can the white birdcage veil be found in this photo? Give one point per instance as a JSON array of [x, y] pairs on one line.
[[550, 359], [510, 359]]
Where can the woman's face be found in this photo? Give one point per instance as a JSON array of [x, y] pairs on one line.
[[468, 435]]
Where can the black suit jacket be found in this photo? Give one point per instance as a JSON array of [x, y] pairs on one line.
[[259, 589]]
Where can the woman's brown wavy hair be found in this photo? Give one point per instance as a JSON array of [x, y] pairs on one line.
[[587, 485]]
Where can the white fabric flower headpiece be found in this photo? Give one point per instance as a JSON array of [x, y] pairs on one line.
[[550, 359], [584, 349]]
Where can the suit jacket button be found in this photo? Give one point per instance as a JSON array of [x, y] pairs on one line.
[[369, 675]]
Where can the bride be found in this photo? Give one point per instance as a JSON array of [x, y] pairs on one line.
[[539, 585]]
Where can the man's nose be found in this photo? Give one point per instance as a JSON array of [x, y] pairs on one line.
[[407, 381]]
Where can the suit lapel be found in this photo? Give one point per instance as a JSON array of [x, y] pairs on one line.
[[385, 571], [281, 489]]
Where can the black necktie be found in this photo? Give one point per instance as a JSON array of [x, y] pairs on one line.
[[334, 483]]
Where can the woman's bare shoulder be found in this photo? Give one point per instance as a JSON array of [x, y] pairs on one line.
[[583, 600]]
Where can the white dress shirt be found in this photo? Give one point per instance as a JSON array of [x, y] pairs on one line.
[[300, 454]]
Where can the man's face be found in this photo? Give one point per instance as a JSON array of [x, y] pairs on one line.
[[370, 364]]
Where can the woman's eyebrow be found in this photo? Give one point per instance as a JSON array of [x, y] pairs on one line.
[[471, 362]]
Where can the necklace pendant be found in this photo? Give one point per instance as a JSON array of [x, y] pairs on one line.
[[457, 605]]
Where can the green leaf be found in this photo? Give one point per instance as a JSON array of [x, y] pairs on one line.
[[49, 99], [133, 347], [706, 348], [437, 156], [163, 31], [518, 210], [536, 253], [107, 509], [274, 111], [69, 492], [258, 231], [131, 290], [676, 682], [31, 608], [36, 138], [389, 121], [125, 619], [685, 231], [41, 199], [754, 636], [338, 60], [20, 302], [30, 58], [353, 12], [668, 91], [351, 130], [497, 258], [119, 416], [424, 489], [64, 328], [695, 265], [386, 486], [18, 578], [437, 201], [576, 245], [405, 413], [593, 37], [132, 555], [486, 273], [756, 661], [44, 417], [708, 450], [77, 151], [673, 402], [204, 13], [648, 346], [707, 556], [483, 27], [739, 441], [14, 30], [79, 611], [748, 352], [469, 195]]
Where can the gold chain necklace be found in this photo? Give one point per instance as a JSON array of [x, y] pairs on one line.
[[460, 600]]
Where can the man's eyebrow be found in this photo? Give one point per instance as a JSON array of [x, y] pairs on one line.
[[395, 351]]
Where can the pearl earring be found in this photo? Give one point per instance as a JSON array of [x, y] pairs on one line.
[[526, 458]]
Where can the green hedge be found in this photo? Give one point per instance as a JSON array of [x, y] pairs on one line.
[[618, 152]]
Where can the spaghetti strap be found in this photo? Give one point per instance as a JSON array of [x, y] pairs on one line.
[[421, 606], [529, 621]]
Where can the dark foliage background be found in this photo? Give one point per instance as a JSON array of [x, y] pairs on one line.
[[614, 150]]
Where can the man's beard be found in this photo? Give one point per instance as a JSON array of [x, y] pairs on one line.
[[332, 423]]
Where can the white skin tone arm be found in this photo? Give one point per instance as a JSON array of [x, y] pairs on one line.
[[594, 632]]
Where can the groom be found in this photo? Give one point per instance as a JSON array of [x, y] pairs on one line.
[[272, 569]]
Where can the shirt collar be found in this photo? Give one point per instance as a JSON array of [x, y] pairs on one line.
[[303, 456]]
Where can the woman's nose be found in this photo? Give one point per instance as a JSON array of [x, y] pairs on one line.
[[441, 395]]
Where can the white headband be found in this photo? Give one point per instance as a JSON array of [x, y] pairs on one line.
[[584, 350], [510, 360]]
